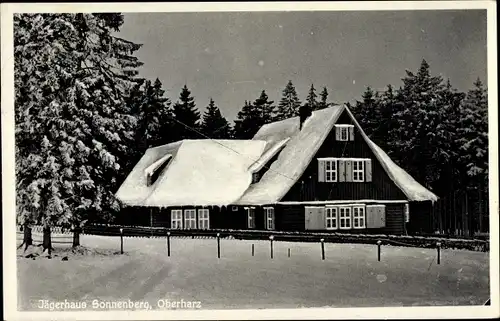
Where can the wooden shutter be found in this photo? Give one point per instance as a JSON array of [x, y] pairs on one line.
[[341, 170], [375, 216], [351, 133], [321, 170], [348, 171], [368, 170], [308, 216], [321, 224], [337, 133]]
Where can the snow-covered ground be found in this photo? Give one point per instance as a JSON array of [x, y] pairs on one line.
[[350, 276]]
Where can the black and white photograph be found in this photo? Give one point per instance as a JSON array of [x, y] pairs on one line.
[[250, 160]]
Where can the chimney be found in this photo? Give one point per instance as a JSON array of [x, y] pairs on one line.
[[304, 113]]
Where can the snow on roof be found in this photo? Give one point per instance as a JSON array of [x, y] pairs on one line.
[[268, 154], [410, 187], [134, 190], [203, 172], [153, 167], [294, 158]]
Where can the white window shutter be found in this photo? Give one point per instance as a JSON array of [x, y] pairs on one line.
[[321, 219], [341, 170], [351, 133], [309, 222], [368, 170], [321, 170], [348, 171], [337, 133]]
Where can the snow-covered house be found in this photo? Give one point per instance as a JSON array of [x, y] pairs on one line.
[[312, 172]]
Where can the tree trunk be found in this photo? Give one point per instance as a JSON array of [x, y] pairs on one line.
[[47, 241], [28, 238], [76, 237]]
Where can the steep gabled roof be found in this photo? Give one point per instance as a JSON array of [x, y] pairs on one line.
[[301, 149]]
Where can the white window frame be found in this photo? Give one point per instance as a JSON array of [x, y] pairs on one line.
[[344, 131], [250, 217], [345, 218], [332, 216], [360, 170], [189, 219], [270, 218], [358, 213], [331, 173], [176, 219], [203, 219]]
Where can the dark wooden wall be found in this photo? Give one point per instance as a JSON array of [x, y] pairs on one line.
[[308, 188]]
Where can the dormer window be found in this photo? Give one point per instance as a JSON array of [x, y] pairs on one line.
[[344, 132], [153, 171]]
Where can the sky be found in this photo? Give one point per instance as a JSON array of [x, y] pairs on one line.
[[232, 56]]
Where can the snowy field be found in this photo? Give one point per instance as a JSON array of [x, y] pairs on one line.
[[350, 276]]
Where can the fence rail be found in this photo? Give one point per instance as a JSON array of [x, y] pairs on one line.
[[330, 237]]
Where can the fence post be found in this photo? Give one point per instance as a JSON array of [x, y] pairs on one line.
[[322, 248], [253, 250], [288, 252], [168, 243], [379, 243], [271, 238], [438, 247], [121, 241], [218, 245]]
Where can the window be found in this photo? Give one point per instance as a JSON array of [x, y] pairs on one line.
[[331, 170], [358, 217], [176, 219], [251, 217], [154, 170], [269, 211], [345, 218], [358, 171], [331, 218], [203, 219], [189, 219], [344, 132]]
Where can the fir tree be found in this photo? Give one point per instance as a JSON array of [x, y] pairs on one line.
[[367, 112], [244, 124], [187, 116], [214, 125], [73, 128], [323, 103], [289, 103], [264, 109], [311, 101]]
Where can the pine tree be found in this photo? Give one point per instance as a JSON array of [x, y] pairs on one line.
[[311, 101], [73, 127], [187, 116], [323, 103], [264, 109], [367, 112], [418, 119], [214, 125], [289, 104]]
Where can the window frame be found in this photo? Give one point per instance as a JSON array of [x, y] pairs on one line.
[[358, 216], [332, 171], [360, 170], [250, 217], [332, 218], [189, 219], [345, 219], [270, 218], [174, 218], [202, 220]]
